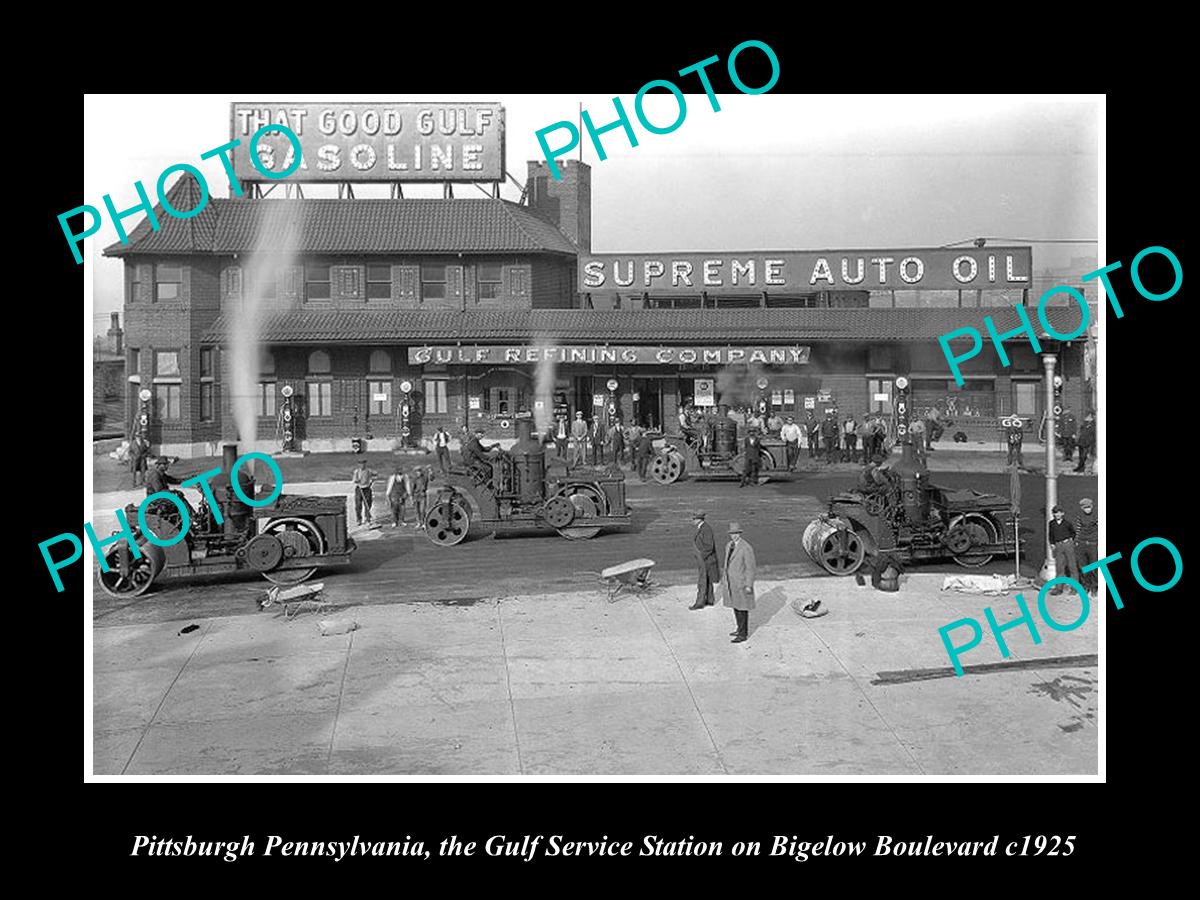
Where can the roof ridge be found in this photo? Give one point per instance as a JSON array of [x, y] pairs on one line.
[[533, 239]]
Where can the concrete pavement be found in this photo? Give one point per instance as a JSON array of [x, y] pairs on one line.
[[573, 684]]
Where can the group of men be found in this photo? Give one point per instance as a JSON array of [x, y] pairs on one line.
[[735, 575], [1081, 438], [1075, 545], [403, 486], [599, 443]]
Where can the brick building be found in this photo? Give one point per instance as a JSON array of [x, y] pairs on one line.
[[477, 306]]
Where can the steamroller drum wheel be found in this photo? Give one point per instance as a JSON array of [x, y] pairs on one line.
[[139, 574], [842, 552], [447, 523], [298, 538], [585, 507], [666, 468], [559, 512], [982, 530]]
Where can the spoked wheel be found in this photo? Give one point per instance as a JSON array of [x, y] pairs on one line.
[[139, 572], [585, 506], [666, 468], [448, 522], [981, 530], [842, 552], [299, 538]]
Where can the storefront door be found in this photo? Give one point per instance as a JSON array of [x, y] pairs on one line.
[[647, 408]]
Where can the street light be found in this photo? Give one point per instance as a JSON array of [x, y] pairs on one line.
[[1049, 354]]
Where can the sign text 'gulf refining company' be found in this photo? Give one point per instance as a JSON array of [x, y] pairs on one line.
[[992, 268]]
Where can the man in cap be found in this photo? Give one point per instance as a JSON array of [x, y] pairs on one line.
[[737, 582], [579, 439], [751, 458], [708, 572], [1087, 541], [1086, 442], [1062, 544], [158, 479], [363, 478], [791, 442]]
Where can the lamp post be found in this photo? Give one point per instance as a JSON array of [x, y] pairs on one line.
[[1049, 362]]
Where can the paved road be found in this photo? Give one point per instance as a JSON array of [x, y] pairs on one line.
[[399, 566]]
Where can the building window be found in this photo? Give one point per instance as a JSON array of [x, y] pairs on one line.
[[318, 363], [380, 363], [379, 281], [206, 401], [168, 281], [316, 282], [166, 363], [320, 398], [489, 279], [135, 286], [381, 397], [1025, 397], [435, 396], [135, 360], [206, 362], [880, 394], [433, 281], [268, 284], [166, 402], [266, 398]]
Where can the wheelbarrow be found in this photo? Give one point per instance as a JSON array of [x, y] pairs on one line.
[[634, 575]]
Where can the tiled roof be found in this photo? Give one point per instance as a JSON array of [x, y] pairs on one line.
[[658, 326], [194, 235], [343, 226]]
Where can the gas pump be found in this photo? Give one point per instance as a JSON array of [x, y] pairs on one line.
[[762, 403], [141, 421], [286, 426], [405, 412], [909, 468]]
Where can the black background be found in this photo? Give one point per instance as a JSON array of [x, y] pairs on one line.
[[1148, 459]]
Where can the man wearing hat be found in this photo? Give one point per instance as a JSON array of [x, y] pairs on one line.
[[1087, 541], [708, 572], [579, 436], [751, 459], [1062, 544], [737, 582], [158, 479]]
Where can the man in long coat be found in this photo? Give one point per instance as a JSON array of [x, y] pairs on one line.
[[737, 582], [708, 571]]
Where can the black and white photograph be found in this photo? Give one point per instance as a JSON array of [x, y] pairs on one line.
[[693, 434]]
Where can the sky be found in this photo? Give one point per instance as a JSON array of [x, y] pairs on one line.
[[766, 172]]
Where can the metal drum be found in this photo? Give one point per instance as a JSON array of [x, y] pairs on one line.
[[725, 436]]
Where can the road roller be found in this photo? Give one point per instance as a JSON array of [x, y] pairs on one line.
[[712, 451], [513, 491], [286, 542], [895, 511]]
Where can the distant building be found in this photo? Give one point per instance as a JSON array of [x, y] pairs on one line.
[[446, 309], [108, 379]]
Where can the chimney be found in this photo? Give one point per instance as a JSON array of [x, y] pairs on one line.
[[565, 203], [116, 336]]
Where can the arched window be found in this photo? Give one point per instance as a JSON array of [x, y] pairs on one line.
[[318, 363], [381, 362]]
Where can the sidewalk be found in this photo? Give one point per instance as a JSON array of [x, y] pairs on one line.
[[574, 684]]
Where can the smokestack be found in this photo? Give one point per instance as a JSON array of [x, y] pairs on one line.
[[116, 337]]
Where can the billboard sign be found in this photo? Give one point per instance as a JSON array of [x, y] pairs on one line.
[[431, 142], [987, 268]]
